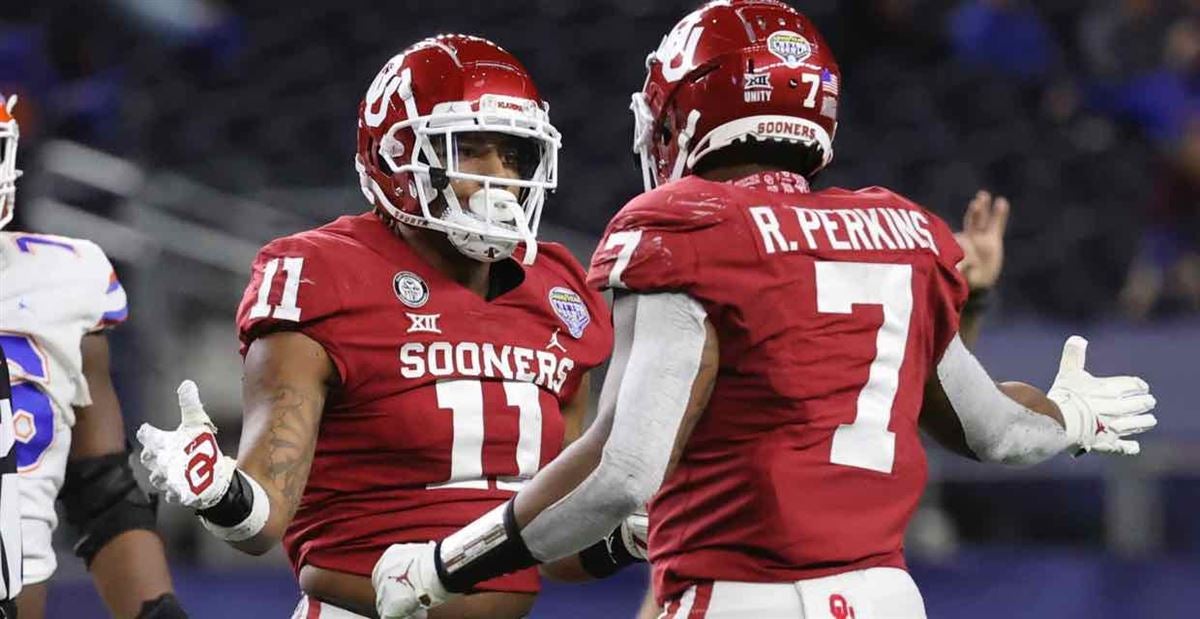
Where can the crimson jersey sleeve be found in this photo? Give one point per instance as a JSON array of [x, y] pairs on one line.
[[293, 287], [648, 246], [948, 292]]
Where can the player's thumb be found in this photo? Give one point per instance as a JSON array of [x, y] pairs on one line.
[[190, 408], [1074, 354]]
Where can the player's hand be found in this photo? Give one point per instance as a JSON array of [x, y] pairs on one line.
[[1100, 412], [185, 464], [406, 581], [635, 530], [982, 240]]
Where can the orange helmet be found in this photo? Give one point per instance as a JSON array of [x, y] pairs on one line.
[[8, 159]]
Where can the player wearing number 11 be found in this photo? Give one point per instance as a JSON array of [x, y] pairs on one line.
[[774, 348], [406, 369]]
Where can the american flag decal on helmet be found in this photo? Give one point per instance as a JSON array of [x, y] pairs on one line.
[[830, 84]]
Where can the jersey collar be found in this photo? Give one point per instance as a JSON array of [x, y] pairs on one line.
[[776, 181]]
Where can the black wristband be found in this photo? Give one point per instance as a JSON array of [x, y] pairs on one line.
[[8, 609], [978, 301], [234, 506], [607, 556], [510, 555]]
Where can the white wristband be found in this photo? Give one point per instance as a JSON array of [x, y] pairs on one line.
[[1073, 415], [252, 524]]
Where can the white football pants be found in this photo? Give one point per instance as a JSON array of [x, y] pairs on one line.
[[877, 593], [312, 608]]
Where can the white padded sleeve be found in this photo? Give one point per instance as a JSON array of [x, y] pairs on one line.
[[646, 392], [997, 428]]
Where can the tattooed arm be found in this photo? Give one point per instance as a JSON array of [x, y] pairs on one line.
[[285, 381]]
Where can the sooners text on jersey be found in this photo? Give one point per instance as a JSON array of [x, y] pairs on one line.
[[447, 402], [831, 310]]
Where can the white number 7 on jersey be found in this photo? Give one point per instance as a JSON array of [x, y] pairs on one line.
[[867, 443], [287, 308], [627, 241]]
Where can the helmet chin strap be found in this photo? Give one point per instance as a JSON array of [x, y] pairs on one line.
[[531, 246]]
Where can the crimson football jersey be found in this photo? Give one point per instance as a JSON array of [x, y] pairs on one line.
[[831, 308], [447, 402]]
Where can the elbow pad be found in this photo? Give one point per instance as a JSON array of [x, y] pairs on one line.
[[102, 500]]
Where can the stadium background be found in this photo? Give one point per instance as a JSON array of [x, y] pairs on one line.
[[182, 134]]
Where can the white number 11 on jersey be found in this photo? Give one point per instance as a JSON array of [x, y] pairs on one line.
[[287, 308], [867, 443], [464, 399]]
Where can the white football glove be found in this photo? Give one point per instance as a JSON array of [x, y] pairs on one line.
[[185, 464], [635, 530], [1100, 412], [406, 581]]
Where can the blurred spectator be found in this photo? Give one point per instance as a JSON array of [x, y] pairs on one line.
[[1005, 36], [1166, 274], [1123, 38], [1146, 59]]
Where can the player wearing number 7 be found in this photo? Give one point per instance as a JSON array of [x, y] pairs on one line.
[[774, 347], [406, 369]]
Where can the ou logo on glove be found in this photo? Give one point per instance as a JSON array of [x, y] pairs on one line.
[[199, 472]]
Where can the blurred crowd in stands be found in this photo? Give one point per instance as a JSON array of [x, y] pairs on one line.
[[1086, 113]]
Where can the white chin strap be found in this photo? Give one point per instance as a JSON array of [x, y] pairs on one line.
[[491, 206]]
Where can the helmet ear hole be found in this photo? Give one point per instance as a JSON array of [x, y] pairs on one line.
[[380, 161]]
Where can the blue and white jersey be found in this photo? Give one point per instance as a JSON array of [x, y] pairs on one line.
[[10, 514], [53, 291]]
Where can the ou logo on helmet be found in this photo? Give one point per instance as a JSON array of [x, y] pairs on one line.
[[385, 85], [678, 49]]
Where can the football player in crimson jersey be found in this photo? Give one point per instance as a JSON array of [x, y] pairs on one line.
[[406, 369], [776, 350]]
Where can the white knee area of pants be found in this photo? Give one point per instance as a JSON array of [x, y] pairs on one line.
[[328, 611], [38, 561]]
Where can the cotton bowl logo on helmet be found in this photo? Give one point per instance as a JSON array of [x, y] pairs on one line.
[[410, 289], [570, 308], [790, 47]]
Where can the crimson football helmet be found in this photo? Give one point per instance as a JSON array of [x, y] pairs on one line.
[[8, 159], [732, 71], [409, 127]]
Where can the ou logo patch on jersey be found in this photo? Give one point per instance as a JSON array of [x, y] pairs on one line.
[[410, 289]]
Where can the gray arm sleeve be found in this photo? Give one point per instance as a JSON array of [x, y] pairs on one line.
[[660, 341], [997, 428]]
